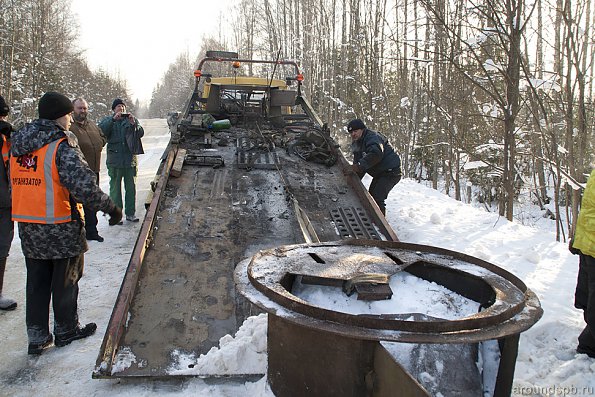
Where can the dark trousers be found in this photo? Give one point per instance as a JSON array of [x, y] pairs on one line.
[[56, 279], [91, 219], [381, 186], [6, 232], [584, 298]]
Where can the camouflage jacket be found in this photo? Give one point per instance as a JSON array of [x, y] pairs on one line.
[[62, 240]]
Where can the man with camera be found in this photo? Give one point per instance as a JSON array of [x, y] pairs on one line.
[[123, 133]]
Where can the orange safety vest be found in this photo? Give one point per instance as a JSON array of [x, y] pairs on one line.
[[5, 150], [37, 194]]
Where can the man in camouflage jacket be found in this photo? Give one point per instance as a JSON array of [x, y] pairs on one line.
[[54, 252]]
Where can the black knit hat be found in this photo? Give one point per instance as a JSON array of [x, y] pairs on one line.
[[54, 105], [356, 124], [117, 102], [4, 108]]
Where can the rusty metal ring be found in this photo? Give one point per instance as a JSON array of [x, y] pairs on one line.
[[509, 306]]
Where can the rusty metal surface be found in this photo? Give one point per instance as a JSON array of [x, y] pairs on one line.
[[304, 362], [318, 352], [197, 158], [252, 154], [509, 348], [367, 201], [454, 369], [117, 323], [178, 293], [181, 294], [373, 292], [391, 379], [185, 298], [510, 307], [354, 223]]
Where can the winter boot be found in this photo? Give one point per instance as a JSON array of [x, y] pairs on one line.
[[5, 303], [38, 348], [77, 333], [582, 350], [586, 342]]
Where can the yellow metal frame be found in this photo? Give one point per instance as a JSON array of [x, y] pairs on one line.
[[243, 81]]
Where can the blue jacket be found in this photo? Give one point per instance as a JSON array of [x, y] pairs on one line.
[[374, 154], [119, 134]]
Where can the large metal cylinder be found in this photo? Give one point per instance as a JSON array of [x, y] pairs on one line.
[[314, 351]]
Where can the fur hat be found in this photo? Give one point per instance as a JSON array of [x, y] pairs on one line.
[[356, 124], [117, 102], [54, 105], [4, 108]]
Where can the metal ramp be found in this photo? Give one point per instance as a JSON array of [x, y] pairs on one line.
[[354, 223]]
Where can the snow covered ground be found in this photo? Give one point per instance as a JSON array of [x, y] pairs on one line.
[[547, 364]]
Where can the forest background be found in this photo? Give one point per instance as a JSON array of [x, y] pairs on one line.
[[487, 101]]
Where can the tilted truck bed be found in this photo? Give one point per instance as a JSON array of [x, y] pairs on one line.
[[238, 194]]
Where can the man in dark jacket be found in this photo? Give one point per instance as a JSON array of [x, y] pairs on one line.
[[123, 133], [373, 154], [6, 224], [91, 141], [49, 176]]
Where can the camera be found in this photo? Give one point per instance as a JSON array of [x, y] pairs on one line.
[[124, 115]]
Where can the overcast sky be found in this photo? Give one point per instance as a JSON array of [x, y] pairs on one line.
[[138, 39]]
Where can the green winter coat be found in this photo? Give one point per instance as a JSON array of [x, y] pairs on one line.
[[584, 236], [118, 135]]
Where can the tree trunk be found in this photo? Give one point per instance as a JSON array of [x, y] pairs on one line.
[[514, 24]]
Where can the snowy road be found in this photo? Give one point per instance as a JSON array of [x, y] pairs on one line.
[[67, 370]]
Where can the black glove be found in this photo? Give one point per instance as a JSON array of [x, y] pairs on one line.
[[573, 251], [115, 216], [5, 128], [355, 167]]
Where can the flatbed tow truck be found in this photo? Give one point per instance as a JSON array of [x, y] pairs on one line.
[[273, 177]]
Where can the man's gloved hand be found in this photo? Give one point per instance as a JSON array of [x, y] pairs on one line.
[[357, 169], [115, 216]]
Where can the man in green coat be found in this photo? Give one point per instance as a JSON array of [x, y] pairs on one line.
[[584, 242], [123, 133]]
